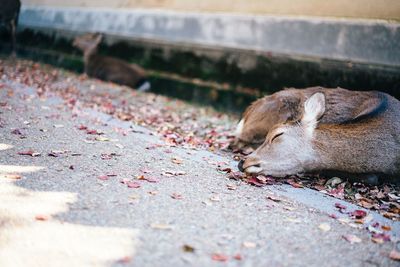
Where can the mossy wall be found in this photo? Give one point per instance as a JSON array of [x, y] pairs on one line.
[[241, 76]]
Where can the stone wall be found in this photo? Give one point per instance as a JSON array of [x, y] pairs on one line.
[[376, 9]]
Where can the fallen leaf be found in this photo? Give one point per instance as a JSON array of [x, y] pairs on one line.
[[125, 260], [219, 257], [352, 238], [29, 153], [340, 206], [273, 198], [161, 226], [56, 153], [42, 217], [176, 196], [248, 244], [12, 176], [238, 257], [386, 227], [132, 184], [188, 248], [325, 227], [359, 214], [102, 138], [231, 186], [103, 177], [394, 255], [215, 198]]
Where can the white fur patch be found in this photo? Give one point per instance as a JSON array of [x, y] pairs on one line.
[[239, 128], [253, 169], [314, 107]]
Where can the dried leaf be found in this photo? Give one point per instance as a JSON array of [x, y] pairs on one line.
[[394, 255], [177, 160], [352, 239], [176, 196], [238, 257], [42, 217], [12, 176], [132, 184], [325, 227], [231, 186], [29, 153], [219, 257]]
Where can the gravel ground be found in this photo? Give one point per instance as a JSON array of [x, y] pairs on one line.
[[123, 196]]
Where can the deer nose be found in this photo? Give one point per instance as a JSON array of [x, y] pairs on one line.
[[240, 165]]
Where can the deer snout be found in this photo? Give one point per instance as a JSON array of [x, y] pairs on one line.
[[250, 165]]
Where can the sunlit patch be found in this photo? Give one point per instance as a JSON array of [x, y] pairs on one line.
[[5, 146], [31, 234], [19, 169]]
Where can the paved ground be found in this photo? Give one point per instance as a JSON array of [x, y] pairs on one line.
[[65, 211]]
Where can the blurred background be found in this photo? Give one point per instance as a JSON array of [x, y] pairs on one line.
[[225, 53]]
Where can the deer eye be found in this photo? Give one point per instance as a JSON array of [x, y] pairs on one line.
[[276, 136]]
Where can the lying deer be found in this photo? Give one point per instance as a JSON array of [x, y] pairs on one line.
[[368, 143], [108, 68], [9, 12], [286, 105]]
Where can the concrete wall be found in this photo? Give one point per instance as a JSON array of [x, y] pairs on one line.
[[360, 41], [375, 9]]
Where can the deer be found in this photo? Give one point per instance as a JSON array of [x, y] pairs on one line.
[[9, 13], [108, 68], [259, 118], [367, 144]]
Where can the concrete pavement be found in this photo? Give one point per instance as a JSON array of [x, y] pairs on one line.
[[127, 198]]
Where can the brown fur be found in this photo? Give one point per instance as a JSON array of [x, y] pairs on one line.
[[367, 143], [286, 105], [107, 68]]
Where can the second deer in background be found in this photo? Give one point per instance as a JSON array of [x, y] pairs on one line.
[[109, 68]]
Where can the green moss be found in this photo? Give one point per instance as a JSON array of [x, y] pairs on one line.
[[268, 74]]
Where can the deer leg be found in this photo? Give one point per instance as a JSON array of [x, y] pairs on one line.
[[14, 41]]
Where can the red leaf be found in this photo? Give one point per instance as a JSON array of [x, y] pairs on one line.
[[29, 153], [131, 184], [294, 183], [219, 257], [151, 180], [340, 206], [42, 217], [238, 257], [93, 132], [359, 214], [255, 181], [103, 177], [394, 255], [176, 196]]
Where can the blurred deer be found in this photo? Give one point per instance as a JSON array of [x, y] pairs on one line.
[[368, 143], [9, 13], [109, 68], [286, 105]]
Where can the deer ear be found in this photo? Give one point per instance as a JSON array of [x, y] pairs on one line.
[[314, 108]]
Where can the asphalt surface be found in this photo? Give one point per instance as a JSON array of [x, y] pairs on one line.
[[63, 210]]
